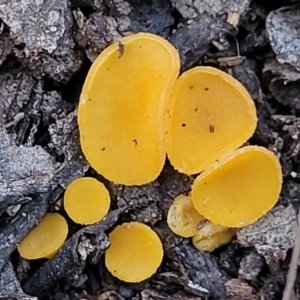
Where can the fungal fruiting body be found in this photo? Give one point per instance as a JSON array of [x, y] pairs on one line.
[[86, 201], [46, 238], [122, 109], [135, 253], [210, 114], [239, 188], [211, 236], [182, 217]]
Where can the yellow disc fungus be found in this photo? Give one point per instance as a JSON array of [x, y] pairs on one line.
[[122, 109], [135, 253], [46, 238], [182, 217], [239, 188], [86, 201], [211, 236], [210, 114]]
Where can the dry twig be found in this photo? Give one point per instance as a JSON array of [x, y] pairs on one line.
[[288, 293]]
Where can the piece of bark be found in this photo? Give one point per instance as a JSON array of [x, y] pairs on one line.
[[6, 43], [15, 88], [202, 269], [199, 270], [250, 265], [193, 40], [285, 72], [23, 170], [10, 287], [191, 9], [246, 75], [27, 218], [188, 285], [98, 31], [172, 184], [272, 288], [153, 16], [41, 109], [87, 244], [64, 145], [42, 33], [89, 5], [120, 18], [142, 202], [230, 258], [272, 235], [288, 94], [283, 30], [237, 290], [150, 294]]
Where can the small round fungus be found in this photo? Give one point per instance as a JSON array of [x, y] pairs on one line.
[[211, 236], [183, 217], [210, 114], [123, 106], [86, 201], [239, 188], [46, 238], [135, 253]]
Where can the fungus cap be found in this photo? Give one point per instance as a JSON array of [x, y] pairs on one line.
[[182, 217], [86, 201], [44, 240], [122, 108], [135, 253], [239, 188], [210, 236], [210, 114]]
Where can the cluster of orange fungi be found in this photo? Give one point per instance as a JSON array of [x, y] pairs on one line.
[[134, 111]]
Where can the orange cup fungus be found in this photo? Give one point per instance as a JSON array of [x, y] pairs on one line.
[[86, 201], [182, 217], [45, 240], [211, 236], [135, 253], [210, 114], [239, 188], [122, 109], [185, 221]]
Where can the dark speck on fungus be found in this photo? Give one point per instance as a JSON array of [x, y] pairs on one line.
[[121, 49], [102, 122], [234, 115]]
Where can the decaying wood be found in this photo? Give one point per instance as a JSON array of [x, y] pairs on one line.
[[42, 48], [52, 51], [88, 243], [194, 265], [283, 29], [272, 235], [23, 170], [288, 292], [142, 202], [27, 218], [10, 287], [251, 265], [192, 9]]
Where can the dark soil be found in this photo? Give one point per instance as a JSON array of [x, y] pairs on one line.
[[46, 50]]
